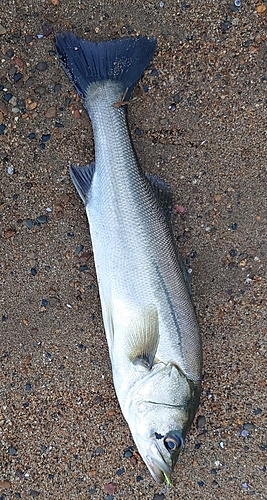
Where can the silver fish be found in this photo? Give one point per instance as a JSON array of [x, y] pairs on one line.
[[150, 323]]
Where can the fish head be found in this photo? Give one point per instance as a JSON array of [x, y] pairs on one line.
[[160, 412]]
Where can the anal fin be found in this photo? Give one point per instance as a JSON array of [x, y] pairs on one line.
[[82, 179], [163, 194]]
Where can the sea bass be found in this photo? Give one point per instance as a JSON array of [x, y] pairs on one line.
[[150, 323]]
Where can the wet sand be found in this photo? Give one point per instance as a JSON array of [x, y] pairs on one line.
[[201, 126]]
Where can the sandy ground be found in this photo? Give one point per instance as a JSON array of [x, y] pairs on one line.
[[201, 126]]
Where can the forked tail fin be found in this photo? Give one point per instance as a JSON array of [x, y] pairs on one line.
[[122, 61]]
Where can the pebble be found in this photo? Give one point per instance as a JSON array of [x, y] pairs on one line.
[[9, 233], [158, 496], [28, 38], [44, 302], [28, 387], [33, 271], [91, 490], [42, 219], [232, 253], [45, 137], [58, 124], [79, 249], [34, 493], [110, 488], [19, 473], [133, 460], [83, 268], [12, 71], [172, 107], [40, 90], [234, 226], [154, 72], [47, 30], [29, 223], [249, 426], [7, 96], [57, 87], [41, 66], [30, 105], [2, 30], [137, 131], [17, 77], [29, 83], [18, 62], [233, 8], [12, 451], [2, 129], [51, 112], [4, 485], [261, 9], [10, 53], [226, 25], [42, 145], [99, 451], [3, 108], [31, 136], [119, 472], [13, 101], [128, 453], [201, 422]]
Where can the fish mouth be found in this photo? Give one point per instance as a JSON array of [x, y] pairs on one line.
[[159, 470]]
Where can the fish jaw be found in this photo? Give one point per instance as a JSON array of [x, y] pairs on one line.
[[158, 468], [158, 407]]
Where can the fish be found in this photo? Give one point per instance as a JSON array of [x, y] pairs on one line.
[[149, 318]]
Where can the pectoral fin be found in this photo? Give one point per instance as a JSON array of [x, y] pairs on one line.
[[143, 338]]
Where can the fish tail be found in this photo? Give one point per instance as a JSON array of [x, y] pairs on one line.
[[121, 61]]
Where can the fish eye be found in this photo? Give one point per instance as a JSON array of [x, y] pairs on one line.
[[173, 442]]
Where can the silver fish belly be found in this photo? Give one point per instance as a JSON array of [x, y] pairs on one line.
[[150, 323]]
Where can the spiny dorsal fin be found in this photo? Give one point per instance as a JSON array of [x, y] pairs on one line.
[[143, 337], [163, 195], [82, 178]]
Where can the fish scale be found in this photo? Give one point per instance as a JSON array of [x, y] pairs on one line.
[[150, 323]]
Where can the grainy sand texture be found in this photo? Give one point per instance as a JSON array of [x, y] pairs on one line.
[[200, 125]]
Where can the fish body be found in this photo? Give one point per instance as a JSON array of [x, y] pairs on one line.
[[150, 323]]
